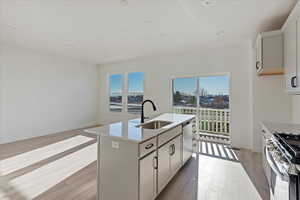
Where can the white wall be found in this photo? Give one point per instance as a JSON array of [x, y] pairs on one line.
[[42, 94], [234, 59], [270, 103]]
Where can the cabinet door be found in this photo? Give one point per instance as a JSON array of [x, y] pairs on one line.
[[148, 177], [176, 154], [290, 53], [164, 172], [187, 142], [272, 47]]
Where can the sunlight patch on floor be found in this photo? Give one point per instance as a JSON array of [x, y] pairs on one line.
[[221, 179], [42, 179], [20, 161], [217, 150]]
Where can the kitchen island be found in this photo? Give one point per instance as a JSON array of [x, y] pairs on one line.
[[136, 161]]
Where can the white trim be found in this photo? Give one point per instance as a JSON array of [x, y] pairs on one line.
[[271, 33], [125, 93], [203, 75]]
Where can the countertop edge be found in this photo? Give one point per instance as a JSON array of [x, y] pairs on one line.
[[169, 127], [272, 127]]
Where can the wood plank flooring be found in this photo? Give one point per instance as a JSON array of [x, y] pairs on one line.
[[81, 183]]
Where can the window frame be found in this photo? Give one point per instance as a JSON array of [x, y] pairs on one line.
[[198, 124], [124, 93], [129, 93]]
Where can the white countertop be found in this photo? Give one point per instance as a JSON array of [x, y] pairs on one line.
[[128, 130], [273, 127]]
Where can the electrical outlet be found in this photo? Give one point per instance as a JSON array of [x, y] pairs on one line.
[[115, 145]]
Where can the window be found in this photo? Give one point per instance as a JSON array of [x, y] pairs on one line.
[[133, 92], [115, 93]]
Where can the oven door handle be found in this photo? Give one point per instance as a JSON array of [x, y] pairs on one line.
[[274, 168]]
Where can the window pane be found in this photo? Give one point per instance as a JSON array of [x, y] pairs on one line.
[[184, 90], [214, 92], [115, 83], [115, 93], [136, 82], [134, 103], [135, 92]]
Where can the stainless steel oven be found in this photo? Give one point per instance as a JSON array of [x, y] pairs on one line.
[[281, 175]]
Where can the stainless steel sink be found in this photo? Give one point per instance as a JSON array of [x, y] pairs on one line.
[[154, 124]]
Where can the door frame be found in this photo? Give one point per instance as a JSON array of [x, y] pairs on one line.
[[198, 103]]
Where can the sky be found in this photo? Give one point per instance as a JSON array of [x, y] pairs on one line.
[[212, 84], [135, 82], [115, 83]]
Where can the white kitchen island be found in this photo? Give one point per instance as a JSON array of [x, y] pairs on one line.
[[137, 162]]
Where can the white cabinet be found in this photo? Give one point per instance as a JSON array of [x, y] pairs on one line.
[[148, 174], [169, 161], [291, 30], [290, 55], [132, 170], [298, 58], [269, 53]]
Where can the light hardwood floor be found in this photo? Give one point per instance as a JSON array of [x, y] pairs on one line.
[[76, 179]]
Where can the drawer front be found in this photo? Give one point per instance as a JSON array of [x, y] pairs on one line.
[[147, 147], [168, 135]]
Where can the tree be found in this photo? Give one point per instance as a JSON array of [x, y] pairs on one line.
[[192, 100], [177, 97]]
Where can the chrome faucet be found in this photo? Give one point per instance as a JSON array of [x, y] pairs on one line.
[[142, 113]]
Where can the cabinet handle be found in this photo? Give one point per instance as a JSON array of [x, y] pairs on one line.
[[293, 81], [257, 65], [149, 146], [155, 162], [172, 149]]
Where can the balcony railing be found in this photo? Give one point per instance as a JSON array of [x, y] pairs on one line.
[[209, 120]]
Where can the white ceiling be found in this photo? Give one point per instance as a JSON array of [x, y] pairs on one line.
[[102, 31]]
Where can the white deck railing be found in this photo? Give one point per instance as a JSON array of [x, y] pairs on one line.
[[209, 120]]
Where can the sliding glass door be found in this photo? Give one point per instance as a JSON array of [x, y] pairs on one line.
[[208, 98], [184, 94]]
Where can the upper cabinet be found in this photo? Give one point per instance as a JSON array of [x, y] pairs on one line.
[[269, 53], [291, 33], [290, 55]]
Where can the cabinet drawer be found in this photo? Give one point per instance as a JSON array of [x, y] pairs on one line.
[[147, 146], [168, 135]]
